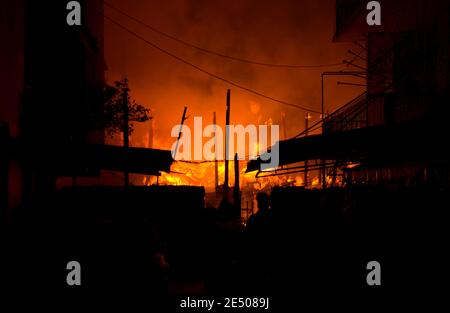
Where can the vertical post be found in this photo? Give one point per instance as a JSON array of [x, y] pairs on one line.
[[216, 164], [183, 118], [283, 125], [150, 133], [323, 174], [307, 116], [126, 143], [236, 191], [227, 139], [148, 179]]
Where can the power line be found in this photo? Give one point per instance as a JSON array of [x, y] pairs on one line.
[[207, 72], [218, 53]]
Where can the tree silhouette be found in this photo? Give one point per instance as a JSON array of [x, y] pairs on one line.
[[113, 99]]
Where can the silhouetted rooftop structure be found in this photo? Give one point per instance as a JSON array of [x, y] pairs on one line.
[[401, 117]]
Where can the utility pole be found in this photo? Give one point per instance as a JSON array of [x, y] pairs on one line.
[[227, 139], [126, 143], [236, 191], [216, 164], [150, 134], [147, 181], [322, 174], [283, 125], [126, 175], [183, 118], [307, 117]]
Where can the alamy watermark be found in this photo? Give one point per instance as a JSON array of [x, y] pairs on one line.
[[74, 15], [190, 147], [373, 18]]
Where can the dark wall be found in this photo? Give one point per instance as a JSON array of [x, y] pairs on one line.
[[62, 102]]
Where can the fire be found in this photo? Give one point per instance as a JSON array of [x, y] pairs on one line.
[[315, 182], [173, 180], [192, 174], [203, 173]]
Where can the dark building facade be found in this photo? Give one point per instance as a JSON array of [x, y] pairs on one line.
[[407, 63], [51, 89], [407, 72], [396, 130]]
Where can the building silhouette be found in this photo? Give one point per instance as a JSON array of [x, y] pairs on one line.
[[395, 130]]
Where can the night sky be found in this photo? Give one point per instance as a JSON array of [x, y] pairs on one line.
[[282, 32]]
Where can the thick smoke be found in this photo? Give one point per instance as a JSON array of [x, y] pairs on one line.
[[290, 32]]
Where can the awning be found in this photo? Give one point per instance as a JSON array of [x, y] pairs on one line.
[[89, 159], [380, 144]]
